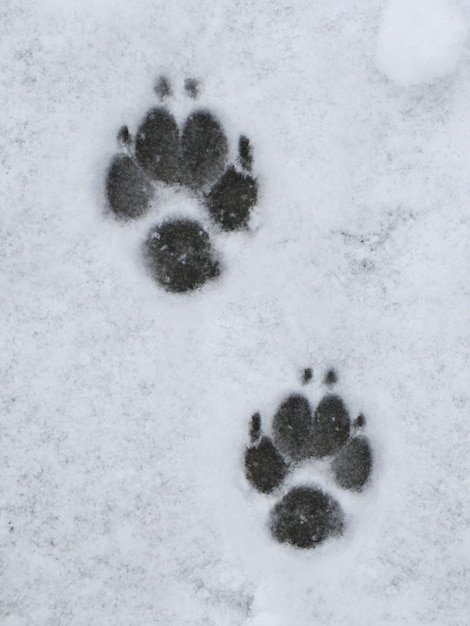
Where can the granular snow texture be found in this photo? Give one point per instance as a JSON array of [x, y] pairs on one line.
[[124, 407]]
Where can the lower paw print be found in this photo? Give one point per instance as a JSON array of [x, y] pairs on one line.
[[324, 439], [192, 161]]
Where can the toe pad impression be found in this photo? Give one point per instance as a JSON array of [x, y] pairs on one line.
[[231, 199], [331, 426], [204, 150], [127, 188], [292, 425], [157, 145], [264, 466], [353, 464]]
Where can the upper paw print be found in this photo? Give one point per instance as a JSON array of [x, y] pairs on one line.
[[191, 158]]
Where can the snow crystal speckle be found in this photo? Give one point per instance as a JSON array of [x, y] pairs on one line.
[[124, 408]]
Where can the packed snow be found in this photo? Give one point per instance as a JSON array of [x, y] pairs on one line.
[[125, 410]]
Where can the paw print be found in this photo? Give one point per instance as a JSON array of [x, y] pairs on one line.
[[192, 161], [307, 515]]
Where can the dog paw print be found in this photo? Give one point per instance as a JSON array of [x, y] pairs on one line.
[[191, 160], [324, 439]]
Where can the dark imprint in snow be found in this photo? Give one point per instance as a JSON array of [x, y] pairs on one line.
[[193, 156], [306, 515]]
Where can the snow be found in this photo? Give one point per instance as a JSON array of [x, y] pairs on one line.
[[125, 410], [420, 41]]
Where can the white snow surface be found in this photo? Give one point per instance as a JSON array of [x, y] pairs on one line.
[[420, 41], [125, 409]]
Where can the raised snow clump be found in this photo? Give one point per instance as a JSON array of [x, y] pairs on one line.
[[420, 41]]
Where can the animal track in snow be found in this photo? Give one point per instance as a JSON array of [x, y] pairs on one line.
[[307, 514], [191, 160]]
